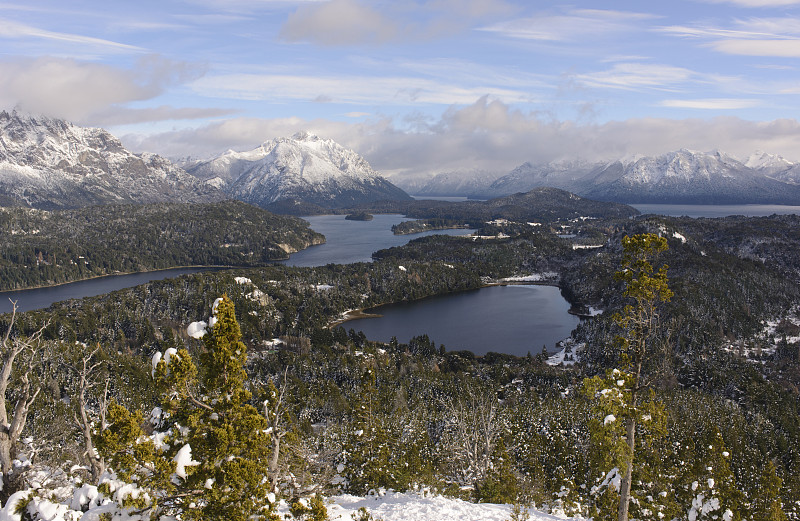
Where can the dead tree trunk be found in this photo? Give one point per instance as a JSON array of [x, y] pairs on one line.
[[11, 426]]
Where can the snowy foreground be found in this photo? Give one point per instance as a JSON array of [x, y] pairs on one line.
[[392, 506], [396, 506]]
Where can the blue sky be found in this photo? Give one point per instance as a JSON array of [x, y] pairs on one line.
[[416, 86]]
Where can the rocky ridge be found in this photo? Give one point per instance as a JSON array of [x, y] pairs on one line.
[[51, 164]]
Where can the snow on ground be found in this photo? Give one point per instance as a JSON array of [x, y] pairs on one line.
[[391, 506], [568, 355], [534, 277], [396, 506], [593, 311]]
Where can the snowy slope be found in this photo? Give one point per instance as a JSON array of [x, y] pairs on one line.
[[50, 163], [304, 167]]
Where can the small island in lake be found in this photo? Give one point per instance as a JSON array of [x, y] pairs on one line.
[[359, 216]]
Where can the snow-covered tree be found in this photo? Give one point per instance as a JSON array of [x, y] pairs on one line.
[[210, 459]]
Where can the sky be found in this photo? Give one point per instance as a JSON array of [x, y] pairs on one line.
[[415, 86]]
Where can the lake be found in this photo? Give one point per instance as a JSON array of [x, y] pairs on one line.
[[505, 319], [39, 298], [347, 242], [716, 210], [355, 241]]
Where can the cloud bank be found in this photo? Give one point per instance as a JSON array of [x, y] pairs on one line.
[[488, 135]]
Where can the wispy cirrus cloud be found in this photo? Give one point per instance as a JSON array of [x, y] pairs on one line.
[[775, 37], [575, 24], [396, 90], [637, 75], [756, 3], [14, 30]]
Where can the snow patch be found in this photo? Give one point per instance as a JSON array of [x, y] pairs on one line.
[[197, 329]]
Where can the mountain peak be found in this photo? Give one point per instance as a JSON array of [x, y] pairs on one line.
[[304, 135], [303, 167]]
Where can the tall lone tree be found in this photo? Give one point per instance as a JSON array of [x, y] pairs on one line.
[[625, 396]]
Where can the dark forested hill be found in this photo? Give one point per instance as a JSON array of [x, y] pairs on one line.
[[43, 248], [540, 204]]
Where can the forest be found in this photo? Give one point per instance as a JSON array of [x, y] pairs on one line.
[[41, 248], [714, 403]]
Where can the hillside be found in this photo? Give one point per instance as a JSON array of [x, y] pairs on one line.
[[540, 204]]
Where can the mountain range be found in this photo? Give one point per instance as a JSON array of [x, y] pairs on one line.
[[51, 164], [678, 177]]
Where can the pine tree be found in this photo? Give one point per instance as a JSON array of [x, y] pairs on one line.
[[710, 489], [767, 505], [623, 400], [211, 461]]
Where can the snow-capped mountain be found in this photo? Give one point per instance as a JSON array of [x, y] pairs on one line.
[[679, 177], [51, 164], [447, 183], [775, 167], [304, 167]]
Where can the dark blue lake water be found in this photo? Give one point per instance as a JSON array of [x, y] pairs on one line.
[[355, 241], [38, 298], [503, 319]]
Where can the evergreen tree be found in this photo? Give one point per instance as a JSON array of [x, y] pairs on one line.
[[624, 399], [211, 461], [767, 505]]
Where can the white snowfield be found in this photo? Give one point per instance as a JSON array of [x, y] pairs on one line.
[[396, 506]]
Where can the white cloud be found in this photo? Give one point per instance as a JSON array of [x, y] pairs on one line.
[[339, 22], [488, 135], [774, 48], [775, 37], [356, 22], [75, 90], [711, 103], [578, 24], [757, 3], [633, 76]]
